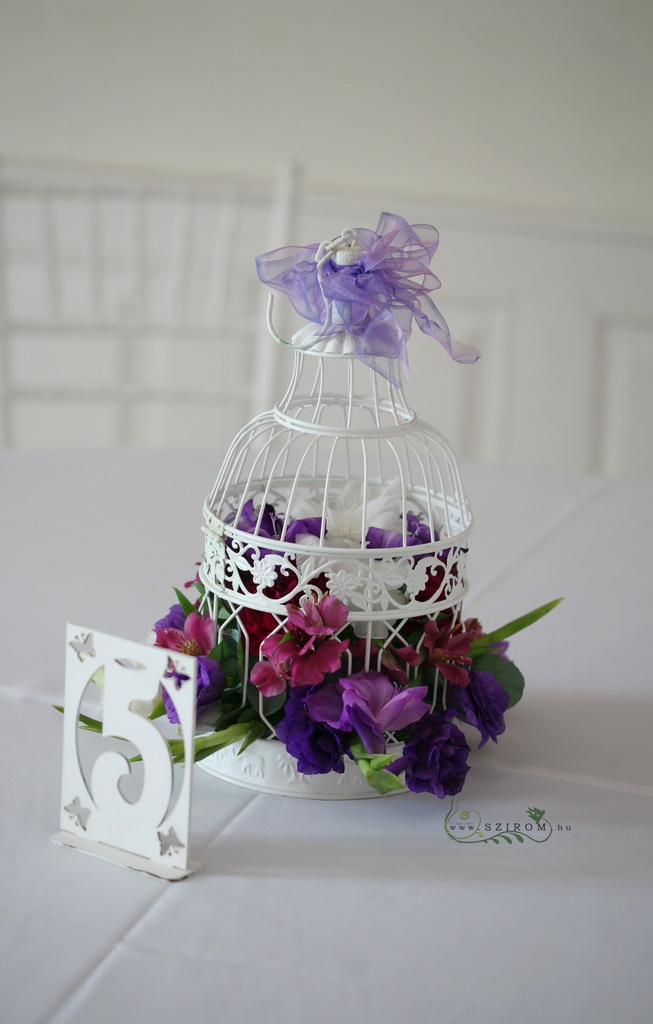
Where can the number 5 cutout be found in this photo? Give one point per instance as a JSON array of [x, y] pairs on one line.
[[152, 833]]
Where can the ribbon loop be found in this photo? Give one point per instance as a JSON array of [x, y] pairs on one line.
[[370, 284]]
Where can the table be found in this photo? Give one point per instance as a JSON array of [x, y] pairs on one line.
[[325, 911]]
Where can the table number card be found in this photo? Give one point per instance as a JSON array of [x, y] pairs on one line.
[[151, 833]]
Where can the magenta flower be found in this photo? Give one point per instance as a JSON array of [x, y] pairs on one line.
[[370, 704], [318, 620], [448, 650], [269, 679], [307, 651], [196, 637], [300, 660]]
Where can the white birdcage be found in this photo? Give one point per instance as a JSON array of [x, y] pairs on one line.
[[338, 490]]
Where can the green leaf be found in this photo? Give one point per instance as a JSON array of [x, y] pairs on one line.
[[373, 768], [481, 645], [222, 738], [380, 780], [269, 704], [382, 761], [90, 724], [507, 674], [206, 744], [157, 711], [187, 606], [229, 653], [257, 729]]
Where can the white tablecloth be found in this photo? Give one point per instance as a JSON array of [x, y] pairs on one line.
[[312, 911]]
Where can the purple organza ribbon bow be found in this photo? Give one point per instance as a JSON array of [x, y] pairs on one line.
[[375, 298]]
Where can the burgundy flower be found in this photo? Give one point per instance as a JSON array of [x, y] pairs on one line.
[[476, 632], [448, 650], [393, 660]]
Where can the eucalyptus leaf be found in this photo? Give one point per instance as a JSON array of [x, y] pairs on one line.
[[269, 704], [505, 672]]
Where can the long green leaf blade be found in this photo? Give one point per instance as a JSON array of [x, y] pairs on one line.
[[481, 645]]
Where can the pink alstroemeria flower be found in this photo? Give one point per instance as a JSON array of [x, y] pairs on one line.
[[391, 663], [307, 651], [317, 620], [197, 637], [268, 679], [448, 650]]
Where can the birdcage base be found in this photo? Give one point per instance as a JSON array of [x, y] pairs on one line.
[[267, 767]]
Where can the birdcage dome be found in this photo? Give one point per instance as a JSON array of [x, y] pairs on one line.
[[339, 489]]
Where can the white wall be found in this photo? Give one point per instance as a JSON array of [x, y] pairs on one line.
[[535, 105]]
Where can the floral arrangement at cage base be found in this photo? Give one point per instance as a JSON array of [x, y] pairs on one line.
[[313, 689]]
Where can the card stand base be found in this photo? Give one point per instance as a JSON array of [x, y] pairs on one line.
[[126, 860]]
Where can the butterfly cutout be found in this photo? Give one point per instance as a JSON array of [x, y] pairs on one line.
[[172, 672], [83, 646], [170, 842], [75, 810]]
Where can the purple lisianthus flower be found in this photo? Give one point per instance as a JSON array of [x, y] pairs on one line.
[[210, 684], [318, 748], [369, 704], [272, 524], [300, 529], [175, 619], [481, 704], [434, 759], [417, 532]]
